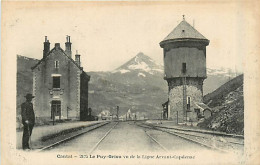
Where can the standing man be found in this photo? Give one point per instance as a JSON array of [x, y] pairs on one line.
[[28, 120]]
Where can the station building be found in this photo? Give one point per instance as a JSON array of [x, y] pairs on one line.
[[184, 54], [60, 85]]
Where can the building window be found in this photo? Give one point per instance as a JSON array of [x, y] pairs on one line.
[[56, 82], [56, 64], [184, 68]]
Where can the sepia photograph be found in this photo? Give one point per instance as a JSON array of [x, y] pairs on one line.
[[130, 82]]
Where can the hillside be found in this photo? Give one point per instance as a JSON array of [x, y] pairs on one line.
[[24, 79], [217, 97], [228, 105]]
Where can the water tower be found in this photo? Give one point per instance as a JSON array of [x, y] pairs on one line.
[[184, 53]]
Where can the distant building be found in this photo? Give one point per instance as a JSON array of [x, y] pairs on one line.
[[184, 52], [165, 110], [129, 114], [60, 85], [202, 110]]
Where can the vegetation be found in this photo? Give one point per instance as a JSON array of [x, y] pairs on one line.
[[217, 97], [228, 105]]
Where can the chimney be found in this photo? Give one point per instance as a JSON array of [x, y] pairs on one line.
[[46, 47], [77, 59], [68, 46], [57, 46]]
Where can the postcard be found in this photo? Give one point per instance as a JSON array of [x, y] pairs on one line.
[[130, 82]]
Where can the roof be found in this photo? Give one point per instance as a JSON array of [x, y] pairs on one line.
[[184, 31], [85, 74], [44, 58], [63, 52], [202, 106]]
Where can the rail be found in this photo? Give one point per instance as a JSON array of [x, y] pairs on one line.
[[201, 131], [159, 144], [98, 143], [182, 135], [71, 137]]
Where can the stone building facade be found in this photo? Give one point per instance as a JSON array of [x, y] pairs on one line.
[[60, 85], [184, 52]]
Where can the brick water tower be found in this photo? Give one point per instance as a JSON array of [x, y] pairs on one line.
[[184, 53]]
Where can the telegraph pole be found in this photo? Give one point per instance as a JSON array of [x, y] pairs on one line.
[[67, 112], [117, 109], [53, 117], [184, 92], [177, 118]]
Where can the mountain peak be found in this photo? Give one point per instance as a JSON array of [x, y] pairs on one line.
[[141, 54], [143, 58], [140, 62]]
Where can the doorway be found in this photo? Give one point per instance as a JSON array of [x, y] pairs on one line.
[[56, 109]]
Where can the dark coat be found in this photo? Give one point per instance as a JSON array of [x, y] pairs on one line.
[[28, 112]]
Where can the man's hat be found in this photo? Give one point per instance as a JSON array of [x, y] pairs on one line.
[[29, 96]]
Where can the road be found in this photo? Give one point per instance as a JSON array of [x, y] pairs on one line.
[[127, 137]]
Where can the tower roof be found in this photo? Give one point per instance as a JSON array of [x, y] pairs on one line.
[[184, 31]]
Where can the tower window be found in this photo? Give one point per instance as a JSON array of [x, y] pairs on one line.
[[183, 31], [184, 68], [56, 64], [56, 82]]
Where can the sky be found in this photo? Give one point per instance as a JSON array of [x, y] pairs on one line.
[[108, 34]]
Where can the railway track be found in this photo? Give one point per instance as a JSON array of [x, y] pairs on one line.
[[237, 140], [204, 132], [158, 143], [99, 142], [214, 142], [152, 138], [89, 129]]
